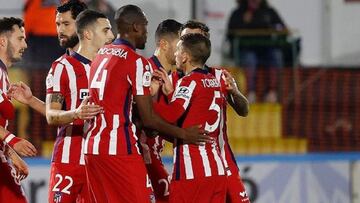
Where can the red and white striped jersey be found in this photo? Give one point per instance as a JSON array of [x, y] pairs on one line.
[[225, 149], [196, 101], [156, 144], [69, 77], [4, 116], [117, 74], [226, 152]]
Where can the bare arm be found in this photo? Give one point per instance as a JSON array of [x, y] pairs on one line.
[[23, 94], [151, 120], [235, 98], [56, 116], [19, 164], [21, 146]]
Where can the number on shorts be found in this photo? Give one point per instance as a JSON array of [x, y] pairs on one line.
[[66, 189], [166, 182]]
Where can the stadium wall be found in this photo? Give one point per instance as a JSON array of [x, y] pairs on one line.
[[311, 178]]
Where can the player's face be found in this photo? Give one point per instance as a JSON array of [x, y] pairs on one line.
[[189, 30], [170, 51], [142, 37], [179, 56], [16, 44], [102, 33], [66, 29]]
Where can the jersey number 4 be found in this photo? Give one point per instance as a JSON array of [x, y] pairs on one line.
[[99, 79]]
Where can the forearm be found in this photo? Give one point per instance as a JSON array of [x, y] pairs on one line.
[[163, 127], [239, 102], [3, 133], [38, 105], [60, 117]]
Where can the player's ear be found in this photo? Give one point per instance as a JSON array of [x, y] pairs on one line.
[[3, 41], [87, 34], [163, 44]]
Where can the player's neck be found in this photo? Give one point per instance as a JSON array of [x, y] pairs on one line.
[[190, 67], [87, 51], [164, 63], [5, 60], [126, 37]]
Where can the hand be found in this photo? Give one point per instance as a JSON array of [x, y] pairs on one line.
[[145, 148], [87, 111], [230, 82], [155, 86], [20, 92], [25, 148], [167, 86], [22, 170], [197, 135]]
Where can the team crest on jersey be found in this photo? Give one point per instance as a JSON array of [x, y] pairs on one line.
[[147, 79], [183, 92], [57, 197], [49, 81]]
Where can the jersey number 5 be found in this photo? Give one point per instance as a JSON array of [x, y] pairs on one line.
[[100, 78], [214, 106]]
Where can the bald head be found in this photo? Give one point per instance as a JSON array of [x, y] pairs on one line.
[[132, 24]]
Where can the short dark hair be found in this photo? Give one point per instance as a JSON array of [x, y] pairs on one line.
[[194, 24], [87, 18], [126, 16], [198, 46], [75, 6], [167, 27], [7, 24]]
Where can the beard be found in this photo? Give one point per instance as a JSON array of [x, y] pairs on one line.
[[71, 42], [10, 51]]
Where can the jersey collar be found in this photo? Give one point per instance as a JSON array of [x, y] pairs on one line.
[[3, 66], [203, 70], [120, 41], [80, 58], [156, 61]]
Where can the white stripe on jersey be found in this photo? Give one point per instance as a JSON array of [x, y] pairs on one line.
[[88, 137], [66, 150], [57, 77], [113, 135], [222, 141], [218, 74], [133, 127], [97, 136], [72, 83], [139, 77], [205, 160], [87, 69], [82, 157], [218, 161], [187, 162]]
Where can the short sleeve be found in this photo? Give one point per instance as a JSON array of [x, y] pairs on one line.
[[57, 79], [140, 77]]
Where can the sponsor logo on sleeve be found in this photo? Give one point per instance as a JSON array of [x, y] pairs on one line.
[[183, 92]]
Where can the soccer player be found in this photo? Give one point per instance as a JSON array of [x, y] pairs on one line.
[[12, 46], [166, 38], [236, 191], [67, 88], [199, 172], [114, 166]]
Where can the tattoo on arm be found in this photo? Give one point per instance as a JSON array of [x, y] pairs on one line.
[[57, 98]]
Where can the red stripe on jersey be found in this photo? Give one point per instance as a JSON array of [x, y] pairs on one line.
[[118, 74], [69, 77]]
